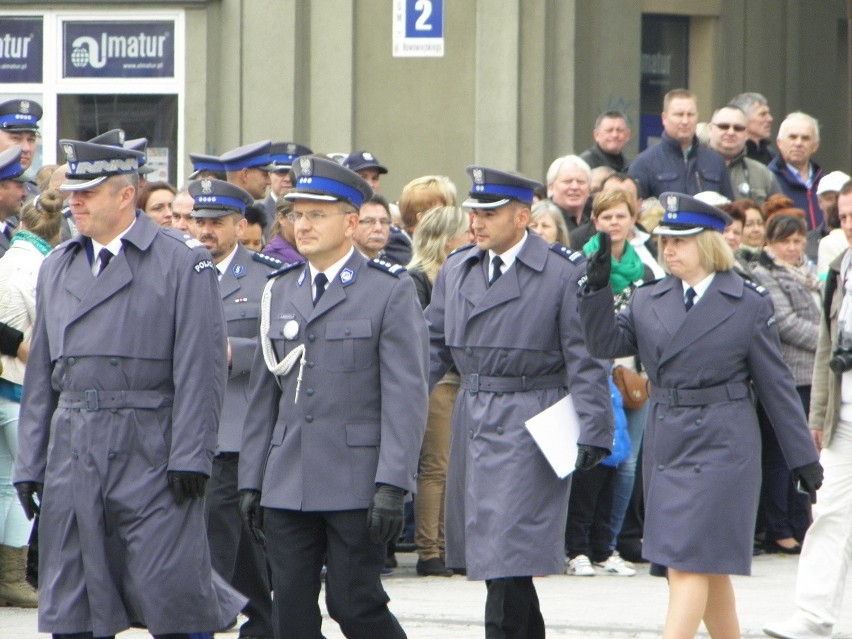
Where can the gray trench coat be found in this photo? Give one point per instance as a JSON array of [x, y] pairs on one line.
[[701, 460], [125, 381], [506, 508]]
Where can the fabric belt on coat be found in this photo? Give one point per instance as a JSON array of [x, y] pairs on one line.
[[700, 396], [475, 383], [92, 400]]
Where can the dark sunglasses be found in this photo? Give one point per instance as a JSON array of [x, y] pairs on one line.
[[739, 128]]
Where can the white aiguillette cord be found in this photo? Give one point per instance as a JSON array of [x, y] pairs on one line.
[[286, 365]]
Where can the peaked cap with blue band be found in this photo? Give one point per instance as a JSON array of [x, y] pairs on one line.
[[92, 164], [492, 188], [325, 180], [283, 154], [686, 215], [216, 198], [201, 163], [10, 163], [141, 145], [113, 137], [20, 115], [250, 156]]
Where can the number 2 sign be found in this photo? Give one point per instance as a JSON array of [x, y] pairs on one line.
[[418, 28]]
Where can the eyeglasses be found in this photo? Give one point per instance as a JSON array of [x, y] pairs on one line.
[[739, 128], [370, 221], [314, 217]]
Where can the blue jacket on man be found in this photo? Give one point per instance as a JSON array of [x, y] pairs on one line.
[[664, 167], [804, 197]]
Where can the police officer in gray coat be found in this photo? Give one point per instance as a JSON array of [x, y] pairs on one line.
[[337, 412], [702, 443], [504, 311], [219, 216], [125, 380]]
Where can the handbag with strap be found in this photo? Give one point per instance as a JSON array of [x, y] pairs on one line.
[[634, 388]]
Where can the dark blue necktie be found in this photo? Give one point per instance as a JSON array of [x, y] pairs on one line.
[[496, 272], [689, 298], [105, 255], [319, 282]]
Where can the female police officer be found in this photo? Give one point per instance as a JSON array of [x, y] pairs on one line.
[[702, 443]]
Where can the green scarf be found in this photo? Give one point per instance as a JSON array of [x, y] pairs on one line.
[[625, 272], [27, 236]]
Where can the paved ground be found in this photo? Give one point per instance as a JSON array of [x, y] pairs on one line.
[[433, 608]]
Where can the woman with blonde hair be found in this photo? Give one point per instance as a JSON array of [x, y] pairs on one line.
[[39, 232], [440, 231], [705, 336], [546, 219]]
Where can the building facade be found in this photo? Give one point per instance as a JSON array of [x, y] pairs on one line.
[[519, 82]]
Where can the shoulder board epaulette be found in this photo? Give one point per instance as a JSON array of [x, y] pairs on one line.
[[650, 282], [284, 269], [388, 267], [567, 253], [183, 238], [756, 287], [461, 248], [267, 260]]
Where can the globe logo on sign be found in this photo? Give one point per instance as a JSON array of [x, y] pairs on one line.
[[85, 51], [80, 57]]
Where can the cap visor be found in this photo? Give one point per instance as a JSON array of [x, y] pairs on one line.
[[302, 195], [670, 230], [145, 170], [82, 185], [473, 203]]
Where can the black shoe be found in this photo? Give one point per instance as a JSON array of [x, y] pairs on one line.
[[775, 547], [391, 562], [433, 568]]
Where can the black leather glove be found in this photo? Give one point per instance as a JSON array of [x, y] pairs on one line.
[[808, 479], [252, 514], [27, 493], [386, 515], [599, 264], [589, 456], [186, 484]]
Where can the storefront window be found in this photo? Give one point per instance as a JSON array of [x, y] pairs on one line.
[[665, 66], [155, 117]]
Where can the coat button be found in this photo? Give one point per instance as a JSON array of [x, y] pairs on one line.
[[312, 338], [660, 467], [499, 430], [470, 433], [698, 421], [309, 418], [468, 350], [243, 314], [310, 364], [74, 455], [113, 361], [502, 354], [697, 469], [309, 392], [111, 456], [72, 361], [348, 331]]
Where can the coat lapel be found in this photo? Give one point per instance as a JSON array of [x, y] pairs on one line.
[[335, 291], [116, 277], [533, 255], [714, 307], [230, 283]]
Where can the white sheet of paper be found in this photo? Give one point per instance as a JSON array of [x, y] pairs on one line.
[[556, 430]]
